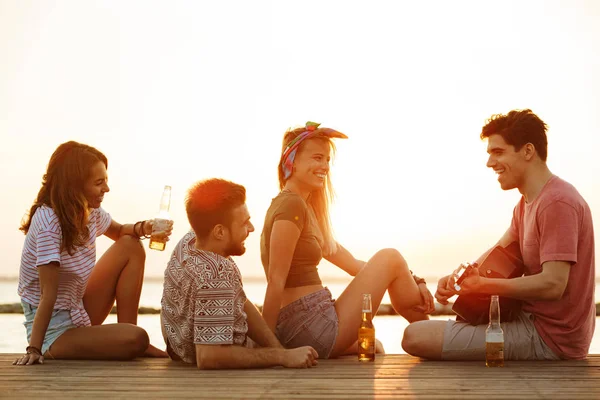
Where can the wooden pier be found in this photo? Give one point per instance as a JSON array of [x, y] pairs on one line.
[[390, 376]]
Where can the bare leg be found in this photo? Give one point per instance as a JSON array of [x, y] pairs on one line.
[[101, 342], [424, 339], [386, 270], [118, 275], [413, 316]]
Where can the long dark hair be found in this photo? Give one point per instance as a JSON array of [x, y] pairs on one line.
[[62, 190]]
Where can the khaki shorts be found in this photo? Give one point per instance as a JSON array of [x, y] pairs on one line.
[[463, 341]]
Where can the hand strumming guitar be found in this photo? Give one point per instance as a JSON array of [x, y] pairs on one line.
[[470, 284]]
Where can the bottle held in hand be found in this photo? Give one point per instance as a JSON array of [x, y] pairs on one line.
[[161, 221], [366, 332], [494, 337]]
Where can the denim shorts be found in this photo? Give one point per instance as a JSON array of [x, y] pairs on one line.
[[59, 324], [309, 321]]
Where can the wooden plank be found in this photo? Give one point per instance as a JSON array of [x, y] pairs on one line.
[[390, 376]]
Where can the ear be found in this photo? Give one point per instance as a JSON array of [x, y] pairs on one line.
[[529, 151], [218, 232]]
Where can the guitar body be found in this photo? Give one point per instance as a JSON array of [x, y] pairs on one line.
[[499, 263]]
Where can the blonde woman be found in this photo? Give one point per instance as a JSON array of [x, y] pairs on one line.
[[297, 235]]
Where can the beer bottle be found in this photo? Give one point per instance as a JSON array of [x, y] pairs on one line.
[[366, 332], [161, 221], [494, 337]]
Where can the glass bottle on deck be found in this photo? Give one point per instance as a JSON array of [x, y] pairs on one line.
[[366, 332], [494, 337], [161, 221]]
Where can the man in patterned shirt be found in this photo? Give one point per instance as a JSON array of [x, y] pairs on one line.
[[205, 317]]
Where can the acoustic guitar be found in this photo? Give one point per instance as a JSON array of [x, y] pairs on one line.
[[501, 262]]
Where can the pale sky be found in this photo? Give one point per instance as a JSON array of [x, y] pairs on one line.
[[177, 91]]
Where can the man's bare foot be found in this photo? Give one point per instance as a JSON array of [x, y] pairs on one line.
[[152, 351]]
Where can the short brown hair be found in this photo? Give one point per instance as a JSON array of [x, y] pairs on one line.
[[518, 128], [210, 202]]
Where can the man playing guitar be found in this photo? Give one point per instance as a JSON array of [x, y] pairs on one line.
[[552, 225]]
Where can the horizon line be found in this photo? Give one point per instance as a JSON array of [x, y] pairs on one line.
[[262, 279]]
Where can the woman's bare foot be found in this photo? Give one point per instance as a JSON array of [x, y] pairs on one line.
[[379, 347], [152, 351]]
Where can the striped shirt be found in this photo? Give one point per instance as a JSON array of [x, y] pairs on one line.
[[42, 246], [203, 300]]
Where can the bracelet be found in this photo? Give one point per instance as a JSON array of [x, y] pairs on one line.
[[418, 280], [135, 229], [145, 236], [33, 350]]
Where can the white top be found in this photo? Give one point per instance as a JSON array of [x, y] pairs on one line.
[[42, 246]]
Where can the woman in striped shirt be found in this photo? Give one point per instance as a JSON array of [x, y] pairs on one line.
[[65, 293]]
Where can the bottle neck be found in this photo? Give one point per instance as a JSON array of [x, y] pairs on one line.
[[367, 316], [163, 214], [495, 312], [165, 201]]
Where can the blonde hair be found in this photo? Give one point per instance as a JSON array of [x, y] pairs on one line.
[[319, 200]]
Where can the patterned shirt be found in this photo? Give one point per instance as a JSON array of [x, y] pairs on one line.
[[42, 246], [203, 300]]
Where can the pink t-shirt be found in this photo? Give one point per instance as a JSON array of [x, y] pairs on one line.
[[557, 226], [42, 246]]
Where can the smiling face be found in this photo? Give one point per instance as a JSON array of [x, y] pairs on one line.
[[508, 163], [311, 164], [96, 185], [238, 231]]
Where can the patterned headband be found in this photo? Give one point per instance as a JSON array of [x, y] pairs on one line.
[[312, 130]]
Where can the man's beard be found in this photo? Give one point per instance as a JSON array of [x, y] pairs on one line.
[[235, 249]]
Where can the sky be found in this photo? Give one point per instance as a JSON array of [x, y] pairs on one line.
[[178, 91]]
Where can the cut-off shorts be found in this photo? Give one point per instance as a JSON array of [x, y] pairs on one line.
[[59, 324], [309, 321], [521, 341]]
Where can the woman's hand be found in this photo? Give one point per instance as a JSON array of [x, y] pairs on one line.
[[165, 228], [443, 292], [427, 305], [33, 356]]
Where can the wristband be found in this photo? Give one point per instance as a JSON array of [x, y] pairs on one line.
[[33, 350], [418, 280], [143, 235]]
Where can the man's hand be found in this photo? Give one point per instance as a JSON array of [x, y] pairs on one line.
[[471, 284], [301, 357], [427, 306]]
